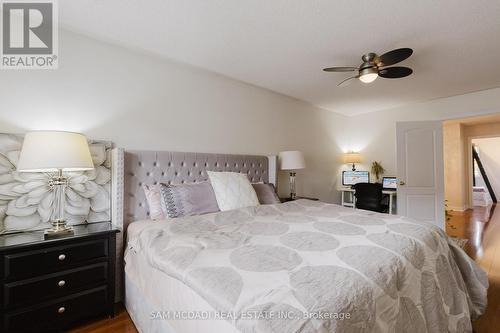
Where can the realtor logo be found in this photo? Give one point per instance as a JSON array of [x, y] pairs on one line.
[[29, 35]]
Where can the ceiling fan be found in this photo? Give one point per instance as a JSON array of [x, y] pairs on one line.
[[374, 66]]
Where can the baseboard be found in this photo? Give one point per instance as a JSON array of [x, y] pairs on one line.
[[457, 209]]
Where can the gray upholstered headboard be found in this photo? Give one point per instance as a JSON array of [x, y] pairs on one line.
[[133, 169], [152, 167]]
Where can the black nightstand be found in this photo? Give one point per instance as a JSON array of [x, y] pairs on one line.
[[48, 285], [297, 198]]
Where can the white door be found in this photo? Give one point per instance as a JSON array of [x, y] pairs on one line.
[[420, 170]]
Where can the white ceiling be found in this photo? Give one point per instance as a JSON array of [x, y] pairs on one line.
[[282, 45]]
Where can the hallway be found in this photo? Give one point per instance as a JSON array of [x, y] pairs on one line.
[[482, 227]]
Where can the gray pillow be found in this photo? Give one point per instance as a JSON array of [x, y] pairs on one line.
[[188, 199], [266, 193]]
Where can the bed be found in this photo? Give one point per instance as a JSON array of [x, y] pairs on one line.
[[301, 266]]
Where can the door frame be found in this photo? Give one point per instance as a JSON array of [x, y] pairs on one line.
[[468, 166], [468, 150]]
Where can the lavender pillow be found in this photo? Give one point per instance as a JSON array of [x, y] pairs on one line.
[[188, 199], [266, 193]]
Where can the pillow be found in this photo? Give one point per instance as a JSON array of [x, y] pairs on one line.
[[266, 193], [153, 198], [188, 199], [232, 190]]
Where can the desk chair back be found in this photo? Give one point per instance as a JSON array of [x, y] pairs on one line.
[[369, 197]]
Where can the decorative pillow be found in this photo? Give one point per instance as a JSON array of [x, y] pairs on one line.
[[153, 197], [232, 190], [266, 193], [188, 199]]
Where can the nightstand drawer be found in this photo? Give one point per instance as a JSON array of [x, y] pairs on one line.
[[54, 285], [32, 263], [58, 314]]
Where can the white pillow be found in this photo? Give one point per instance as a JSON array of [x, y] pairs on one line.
[[153, 198], [232, 190]]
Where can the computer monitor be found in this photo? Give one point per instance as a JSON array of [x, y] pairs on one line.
[[390, 183], [350, 178]]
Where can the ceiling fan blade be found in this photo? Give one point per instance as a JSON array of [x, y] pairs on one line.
[[340, 69], [346, 82], [394, 56], [395, 72]]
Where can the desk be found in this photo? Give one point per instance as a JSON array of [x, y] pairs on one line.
[[352, 203], [297, 198]]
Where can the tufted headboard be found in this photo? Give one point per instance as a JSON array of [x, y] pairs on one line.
[[152, 167], [133, 169]]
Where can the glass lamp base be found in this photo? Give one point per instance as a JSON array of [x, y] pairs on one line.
[[292, 185], [59, 229]]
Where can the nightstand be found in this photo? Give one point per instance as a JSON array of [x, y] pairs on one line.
[[297, 198], [48, 285]]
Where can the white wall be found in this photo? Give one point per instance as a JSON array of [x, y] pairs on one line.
[[140, 101], [374, 134]]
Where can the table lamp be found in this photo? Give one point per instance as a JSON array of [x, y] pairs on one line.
[[352, 158], [55, 152], [292, 160]]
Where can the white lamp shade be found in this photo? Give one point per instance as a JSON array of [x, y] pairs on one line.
[[49, 151], [352, 158], [291, 160]]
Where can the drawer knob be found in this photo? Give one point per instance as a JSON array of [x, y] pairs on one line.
[[61, 309], [61, 283], [62, 257]]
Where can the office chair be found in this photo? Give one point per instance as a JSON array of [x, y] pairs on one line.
[[369, 197]]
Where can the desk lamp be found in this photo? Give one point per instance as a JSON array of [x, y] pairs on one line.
[[352, 158]]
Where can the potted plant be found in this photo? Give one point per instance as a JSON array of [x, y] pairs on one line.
[[377, 169]]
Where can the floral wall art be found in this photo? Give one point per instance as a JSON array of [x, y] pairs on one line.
[[26, 201]]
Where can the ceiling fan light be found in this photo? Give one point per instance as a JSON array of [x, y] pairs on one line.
[[368, 77], [368, 74]]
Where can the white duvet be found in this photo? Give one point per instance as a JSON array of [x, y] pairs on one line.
[[306, 266]]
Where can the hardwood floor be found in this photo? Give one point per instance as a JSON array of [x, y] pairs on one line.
[[121, 323], [481, 226]]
